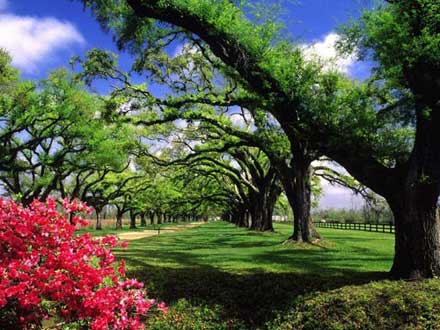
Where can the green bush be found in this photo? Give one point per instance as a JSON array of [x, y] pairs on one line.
[[185, 316], [376, 306]]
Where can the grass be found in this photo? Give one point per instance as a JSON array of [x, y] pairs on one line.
[[226, 248], [252, 276]]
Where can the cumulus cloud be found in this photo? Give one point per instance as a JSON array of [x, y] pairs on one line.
[[325, 52], [32, 40], [242, 119]]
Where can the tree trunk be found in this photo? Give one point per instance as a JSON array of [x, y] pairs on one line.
[[415, 205], [240, 217], [302, 203], [256, 210], [262, 201], [151, 218], [143, 220], [274, 193], [297, 187], [159, 218], [247, 219], [118, 220], [98, 220], [132, 220], [417, 242], [261, 220]]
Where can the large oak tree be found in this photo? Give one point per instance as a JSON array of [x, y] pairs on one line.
[[275, 72]]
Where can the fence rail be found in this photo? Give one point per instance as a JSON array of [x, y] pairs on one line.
[[373, 227]]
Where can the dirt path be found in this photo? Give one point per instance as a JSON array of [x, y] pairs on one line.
[[130, 236]]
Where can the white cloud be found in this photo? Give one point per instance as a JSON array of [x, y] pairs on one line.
[[241, 118], [325, 51], [181, 123], [31, 40], [335, 196], [184, 49]]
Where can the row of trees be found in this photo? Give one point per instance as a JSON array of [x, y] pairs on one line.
[[294, 111], [384, 132], [56, 141]]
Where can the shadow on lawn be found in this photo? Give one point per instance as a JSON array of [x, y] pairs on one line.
[[253, 298], [191, 265]]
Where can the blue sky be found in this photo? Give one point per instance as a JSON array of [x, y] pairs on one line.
[[309, 21], [42, 35]]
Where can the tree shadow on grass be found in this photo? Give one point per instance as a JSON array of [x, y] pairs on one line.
[[253, 298], [264, 279]]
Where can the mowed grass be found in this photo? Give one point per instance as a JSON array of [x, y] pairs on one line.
[[251, 276]]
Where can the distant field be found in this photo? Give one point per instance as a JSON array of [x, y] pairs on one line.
[[252, 275]]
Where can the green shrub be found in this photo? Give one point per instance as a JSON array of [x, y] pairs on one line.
[[376, 306], [185, 316]]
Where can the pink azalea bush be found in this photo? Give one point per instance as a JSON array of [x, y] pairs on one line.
[[49, 273]]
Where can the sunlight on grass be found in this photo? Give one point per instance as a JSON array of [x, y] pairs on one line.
[[226, 248], [252, 276]]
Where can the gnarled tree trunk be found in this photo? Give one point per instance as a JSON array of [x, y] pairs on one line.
[[132, 220], [151, 215], [98, 219], [297, 187], [417, 245], [143, 220], [262, 206], [159, 217], [119, 220], [415, 204]]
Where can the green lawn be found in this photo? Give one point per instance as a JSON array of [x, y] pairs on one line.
[[252, 275]]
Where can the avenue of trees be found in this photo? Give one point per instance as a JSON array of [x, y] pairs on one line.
[[383, 132], [246, 121]]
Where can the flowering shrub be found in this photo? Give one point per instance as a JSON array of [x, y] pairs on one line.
[[49, 273]]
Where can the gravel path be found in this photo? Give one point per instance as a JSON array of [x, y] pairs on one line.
[[130, 236]]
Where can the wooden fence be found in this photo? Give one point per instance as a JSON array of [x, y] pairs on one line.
[[373, 227]]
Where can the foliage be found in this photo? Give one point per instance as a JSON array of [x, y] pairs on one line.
[[8, 74], [186, 316], [379, 305], [52, 138], [403, 34], [337, 215], [47, 272]]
